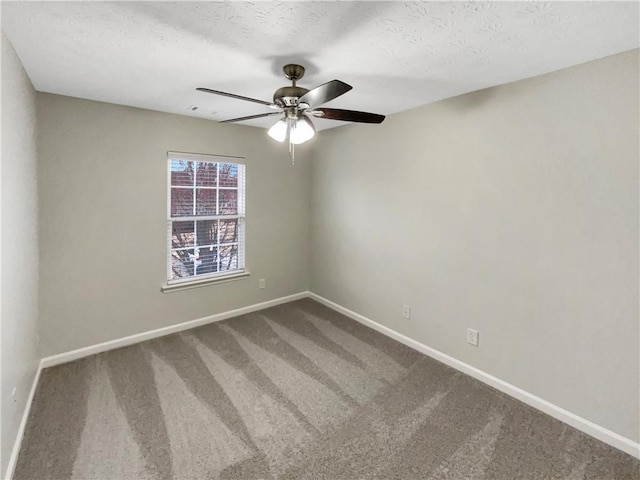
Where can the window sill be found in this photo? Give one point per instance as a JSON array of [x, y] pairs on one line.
[[176, 287]]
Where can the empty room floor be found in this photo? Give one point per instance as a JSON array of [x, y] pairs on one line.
[[295, 391]]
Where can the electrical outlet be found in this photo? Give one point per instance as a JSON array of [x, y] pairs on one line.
[[406, 311], [472, 336], [262, 284]]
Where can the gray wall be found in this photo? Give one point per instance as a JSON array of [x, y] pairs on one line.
[[102, 171], [19, 252], [513, 211]]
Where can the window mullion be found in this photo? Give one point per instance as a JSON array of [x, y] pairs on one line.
[[195, 222], [218, 221], [205, 217]]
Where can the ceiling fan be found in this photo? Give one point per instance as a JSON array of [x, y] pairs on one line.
[[296, 104]]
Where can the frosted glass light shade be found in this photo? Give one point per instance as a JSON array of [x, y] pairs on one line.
[[303, 131], [279, 131]]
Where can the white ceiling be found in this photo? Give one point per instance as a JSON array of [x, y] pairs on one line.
[[396, 55]]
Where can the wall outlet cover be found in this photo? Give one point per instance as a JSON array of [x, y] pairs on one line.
[[472, 337]]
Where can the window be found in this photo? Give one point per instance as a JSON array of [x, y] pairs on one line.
[[205, 217]]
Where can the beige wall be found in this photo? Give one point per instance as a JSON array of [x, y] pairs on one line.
[[513, 211], [102, 171], [19, 257]]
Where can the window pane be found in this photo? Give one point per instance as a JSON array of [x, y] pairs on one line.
[[228, 175], [228, 202], [207, 231], [181, 172], [228, 258], [206, 174], [207, 260], [182, 234], [205, 201], [228, 231], [181, 202], [182, 263]]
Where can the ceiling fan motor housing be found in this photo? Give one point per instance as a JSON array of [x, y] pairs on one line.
[[288, 96]]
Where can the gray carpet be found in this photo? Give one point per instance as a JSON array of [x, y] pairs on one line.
[[296, 391]]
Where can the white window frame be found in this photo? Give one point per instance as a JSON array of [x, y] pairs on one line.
[[215, 277]]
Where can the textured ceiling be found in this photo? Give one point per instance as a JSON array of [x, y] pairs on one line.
[[396, 55]]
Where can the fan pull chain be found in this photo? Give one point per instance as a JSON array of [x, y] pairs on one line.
[[292, 148]]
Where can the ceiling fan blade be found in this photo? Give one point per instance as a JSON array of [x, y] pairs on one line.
[[347, 115], [233, 95], [251, 117], [324, 93]]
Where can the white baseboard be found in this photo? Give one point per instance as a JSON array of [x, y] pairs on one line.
[[13, 460], [582, 424], [160, 332]]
